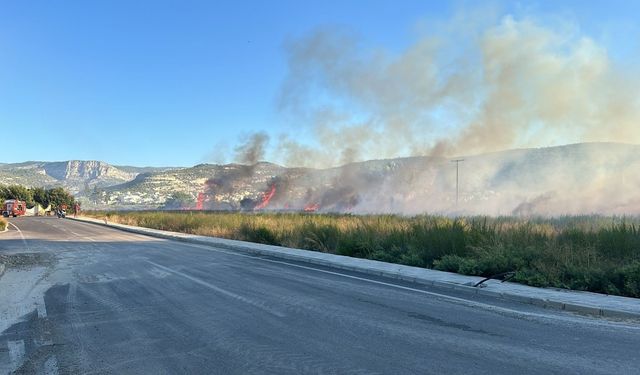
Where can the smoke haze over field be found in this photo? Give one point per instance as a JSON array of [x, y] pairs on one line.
[[468, 87], [581, 178], [514, 83]]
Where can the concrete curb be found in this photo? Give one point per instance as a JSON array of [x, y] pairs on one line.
[[629, 308]]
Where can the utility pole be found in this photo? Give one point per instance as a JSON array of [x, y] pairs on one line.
[[457, 161]]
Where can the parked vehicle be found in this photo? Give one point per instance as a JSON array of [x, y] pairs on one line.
[[13, 207]]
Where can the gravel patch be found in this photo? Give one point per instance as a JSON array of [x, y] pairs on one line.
[[26, 260]]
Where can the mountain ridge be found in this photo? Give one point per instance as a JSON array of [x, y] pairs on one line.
[[594, 177]]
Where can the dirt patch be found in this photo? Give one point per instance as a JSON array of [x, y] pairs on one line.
[[26, 260]]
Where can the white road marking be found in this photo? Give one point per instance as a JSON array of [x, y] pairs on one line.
[[16, 354], [219, 290], [63, 229], [467, 302], [41, 307], [24, 240], [439, 295]]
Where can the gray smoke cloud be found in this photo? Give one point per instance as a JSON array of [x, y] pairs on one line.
[[468, 88], [512, 83], [253, 149], [228, 181]]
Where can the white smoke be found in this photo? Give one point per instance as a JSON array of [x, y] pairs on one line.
[[515, 83], [470, 88]]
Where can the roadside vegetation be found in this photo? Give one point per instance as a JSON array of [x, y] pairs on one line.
[[593, 253], [55, 196], [3, 224]]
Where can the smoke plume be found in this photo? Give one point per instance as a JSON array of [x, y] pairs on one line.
[[487, 87], [513, 83], [226, 182], [253, 149]]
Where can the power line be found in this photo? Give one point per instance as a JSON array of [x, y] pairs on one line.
[[457, 161]]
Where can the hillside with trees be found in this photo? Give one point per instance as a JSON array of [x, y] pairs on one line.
[[55, 196]]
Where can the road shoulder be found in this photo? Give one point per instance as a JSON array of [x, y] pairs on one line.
[[584, 303]]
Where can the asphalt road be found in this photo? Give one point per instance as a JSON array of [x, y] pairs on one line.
[[118, 303]]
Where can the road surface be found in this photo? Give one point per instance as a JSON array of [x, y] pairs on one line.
[[93, 300]]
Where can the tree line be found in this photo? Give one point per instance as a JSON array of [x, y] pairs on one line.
[[55, 196]]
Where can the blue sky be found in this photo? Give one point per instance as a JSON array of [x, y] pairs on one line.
[[178, 83]]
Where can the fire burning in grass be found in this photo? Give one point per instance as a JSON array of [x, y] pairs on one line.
[[311, 207], [266, 198]]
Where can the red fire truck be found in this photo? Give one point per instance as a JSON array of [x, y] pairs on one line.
[[13, 207]]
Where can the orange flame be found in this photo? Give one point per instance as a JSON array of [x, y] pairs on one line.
[[266, 198], [311, 207], [200, 201]]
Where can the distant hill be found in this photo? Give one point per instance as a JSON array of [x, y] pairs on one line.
[[138, 170], [75, 175], [154, 188], [573, 179]]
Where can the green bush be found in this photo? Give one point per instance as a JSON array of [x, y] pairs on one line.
[[317, 237], [453, 263], [629, 279], [258, 234]]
